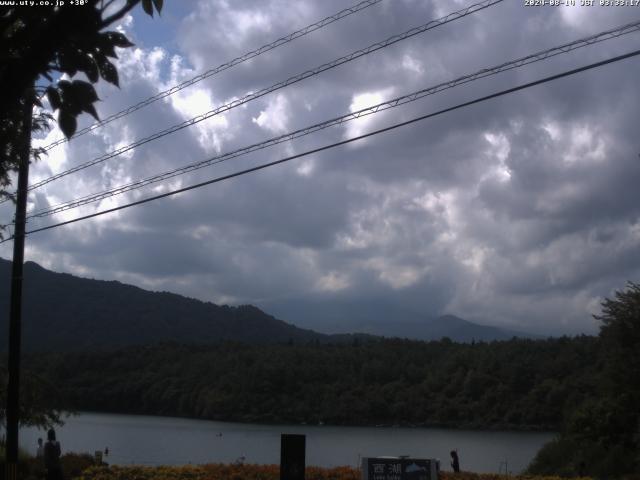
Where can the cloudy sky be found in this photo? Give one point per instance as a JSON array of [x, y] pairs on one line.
[[521, 212]]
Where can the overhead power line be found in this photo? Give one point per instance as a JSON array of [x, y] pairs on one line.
[[232, 63], [291, 80], [343, 142], [510, 65]]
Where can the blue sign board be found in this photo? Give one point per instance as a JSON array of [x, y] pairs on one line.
[[399, 468]]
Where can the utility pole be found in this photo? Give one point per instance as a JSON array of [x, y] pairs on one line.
[[15, 313]]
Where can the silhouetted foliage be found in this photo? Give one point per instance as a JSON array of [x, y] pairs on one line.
[[620, 334], [39, 44], [601, 437], [39, 399]]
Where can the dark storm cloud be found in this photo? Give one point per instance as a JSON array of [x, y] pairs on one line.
[[520, 211]]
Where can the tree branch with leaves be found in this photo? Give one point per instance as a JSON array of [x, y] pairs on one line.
[[39, 45]]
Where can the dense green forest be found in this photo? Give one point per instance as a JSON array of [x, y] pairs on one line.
[[521, 384]]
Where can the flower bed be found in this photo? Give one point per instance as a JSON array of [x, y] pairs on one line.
[[254, 472]]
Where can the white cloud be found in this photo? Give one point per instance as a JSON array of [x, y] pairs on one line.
[[274, 118], [332, 282], [397, 277], [363, 100], [412, 65]]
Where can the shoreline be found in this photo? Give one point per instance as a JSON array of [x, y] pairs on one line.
[[506, 428]]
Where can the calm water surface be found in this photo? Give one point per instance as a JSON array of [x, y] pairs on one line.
[[174, 441]]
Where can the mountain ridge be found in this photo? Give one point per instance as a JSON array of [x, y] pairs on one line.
[[64, 312]]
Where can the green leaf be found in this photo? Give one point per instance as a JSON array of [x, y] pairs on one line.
[[66, 96], [67, 123], [54, 98], [107, 49], [118, 39], [91, 110], [147, 6], [66, 63], [83, 92], [90, 68], [77, 96], [158, 4], [109, 72]]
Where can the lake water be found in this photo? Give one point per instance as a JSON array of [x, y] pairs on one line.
[[146, 440]]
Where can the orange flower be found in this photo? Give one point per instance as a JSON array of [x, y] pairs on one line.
[[219, 471]]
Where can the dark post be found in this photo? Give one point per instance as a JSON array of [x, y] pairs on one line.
[[292, 457], [15, 312]]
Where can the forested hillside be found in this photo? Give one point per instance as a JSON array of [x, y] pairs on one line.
[[63, 312], [520, 384]]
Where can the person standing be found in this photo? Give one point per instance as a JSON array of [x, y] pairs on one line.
[[52, 453], [455, 462], [40, 450]]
